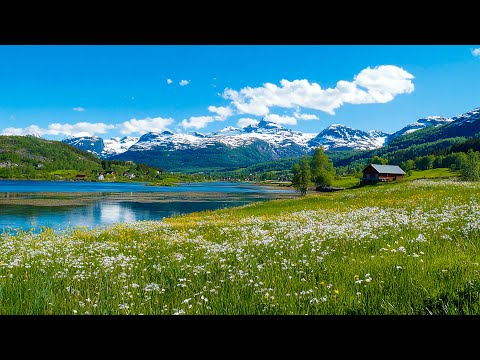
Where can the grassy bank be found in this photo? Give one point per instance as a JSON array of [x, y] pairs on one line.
[[400, 248]]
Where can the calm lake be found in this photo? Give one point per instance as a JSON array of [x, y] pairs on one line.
[[31, 205]]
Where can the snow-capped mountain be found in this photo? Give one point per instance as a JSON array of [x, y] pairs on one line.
[[100, 147], [283, 140], [467, 118], [92, 144], [236, 147], [421, 124], [341, 137], [464, 125]]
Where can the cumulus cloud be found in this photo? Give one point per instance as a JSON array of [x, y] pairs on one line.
[[372, 85], [78, 129], [197, 122], [244, 122], [222, 112], [142, 126], [169, 81], [79, 109], [184, 82], [29, 130], [287, 120], [476, 52], [305, 116]]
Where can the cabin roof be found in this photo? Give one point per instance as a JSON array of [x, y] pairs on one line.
[[387, 169]]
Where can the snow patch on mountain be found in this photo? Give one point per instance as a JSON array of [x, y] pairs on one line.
[[118, 145], [468, 117]]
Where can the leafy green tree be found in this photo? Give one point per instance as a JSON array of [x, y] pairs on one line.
[[424, 162], [378, 160], [324, 178], [408, 165], [322, 168], [471, 167], [301, 176], [437, 163]]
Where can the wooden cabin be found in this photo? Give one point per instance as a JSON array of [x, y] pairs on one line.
[[375, 172]]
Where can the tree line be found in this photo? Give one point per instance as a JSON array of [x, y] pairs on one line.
[[317, 169]]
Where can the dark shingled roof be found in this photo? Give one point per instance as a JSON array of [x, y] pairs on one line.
[[388, 169]]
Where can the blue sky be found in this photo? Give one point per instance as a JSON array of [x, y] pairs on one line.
[[111, 90]]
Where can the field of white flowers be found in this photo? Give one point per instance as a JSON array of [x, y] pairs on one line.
[[405, 248]]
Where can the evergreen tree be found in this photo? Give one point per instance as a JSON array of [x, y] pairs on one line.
[[301, 176]]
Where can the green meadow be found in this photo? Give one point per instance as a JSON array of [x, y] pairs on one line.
[[410, 247]]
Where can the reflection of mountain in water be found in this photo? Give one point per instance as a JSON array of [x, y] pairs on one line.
[[107, 211]]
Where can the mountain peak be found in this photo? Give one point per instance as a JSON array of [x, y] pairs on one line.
[[229, 130], [433, 120], [266, 124], [196, 134], [337, 126]]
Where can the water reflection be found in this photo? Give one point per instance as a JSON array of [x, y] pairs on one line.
[[114, 213], [34, 211]]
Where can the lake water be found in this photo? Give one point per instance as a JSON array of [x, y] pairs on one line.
[[31, 205]]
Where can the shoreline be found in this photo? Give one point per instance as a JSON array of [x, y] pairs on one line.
[[275, 185], [45, 199]]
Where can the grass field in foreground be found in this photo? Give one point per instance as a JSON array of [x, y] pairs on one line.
[[398, 248]]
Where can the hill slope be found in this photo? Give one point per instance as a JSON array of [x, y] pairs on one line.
[[24, 156], [29, 157]]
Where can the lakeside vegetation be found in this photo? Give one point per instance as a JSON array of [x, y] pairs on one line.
[[409, 247]]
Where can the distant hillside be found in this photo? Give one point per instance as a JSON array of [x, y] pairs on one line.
[[29, 157], [440, 135], [24, 155]]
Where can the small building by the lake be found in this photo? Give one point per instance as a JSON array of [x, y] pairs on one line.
[[374, 172]]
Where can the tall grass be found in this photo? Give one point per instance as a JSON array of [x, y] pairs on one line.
[[404, 248]]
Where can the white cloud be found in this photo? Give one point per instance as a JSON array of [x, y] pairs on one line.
[[78, 129], [244, 122], [476, 52], [288, 120], [142, 126], [79, 109], [169, 81], [254, 106], [197, 122], [29, 130], [222, 112], [378, 85], [305, 116], [384, 82], [184, 82]]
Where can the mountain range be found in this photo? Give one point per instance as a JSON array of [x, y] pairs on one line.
[[237, 147]]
